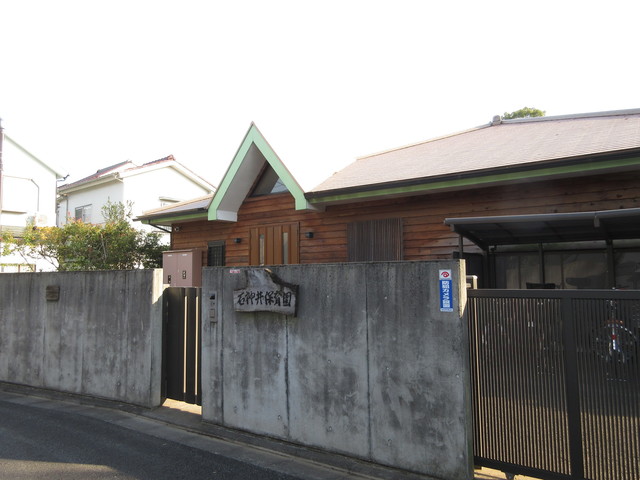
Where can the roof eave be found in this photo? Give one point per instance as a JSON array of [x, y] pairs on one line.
[[177, 167], [168, 220], [91, 183]]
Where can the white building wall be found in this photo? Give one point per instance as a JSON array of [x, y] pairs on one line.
[[147, 188], [28, 194], [28, 188], [96, 196]]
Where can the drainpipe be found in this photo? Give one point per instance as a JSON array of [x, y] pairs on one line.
[[32, 181]]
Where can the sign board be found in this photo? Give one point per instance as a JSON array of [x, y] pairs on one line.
[[446, 294], [265, 293]]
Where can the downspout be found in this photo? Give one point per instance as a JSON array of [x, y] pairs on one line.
[[37, 187]]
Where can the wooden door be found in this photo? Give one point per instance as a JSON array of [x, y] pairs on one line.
[[274, 244]]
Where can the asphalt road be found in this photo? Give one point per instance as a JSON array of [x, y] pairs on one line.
[[45, 435], [38, 443]]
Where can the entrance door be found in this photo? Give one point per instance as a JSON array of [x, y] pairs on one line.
[[182, 345], [274, 244]]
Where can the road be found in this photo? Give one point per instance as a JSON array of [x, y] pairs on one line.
[[37, 443], [44, 435]]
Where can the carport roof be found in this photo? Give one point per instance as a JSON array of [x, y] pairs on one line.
[[548, 228]]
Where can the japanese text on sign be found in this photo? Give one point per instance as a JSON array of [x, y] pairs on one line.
[[265, 292], [446, 299]]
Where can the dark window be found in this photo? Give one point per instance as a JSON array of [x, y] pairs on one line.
[[215, 254], [374, 240], [269, 183], [83, 213]]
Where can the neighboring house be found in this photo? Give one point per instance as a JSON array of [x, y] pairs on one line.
[[148, 186], [550, 200], [27, 196]]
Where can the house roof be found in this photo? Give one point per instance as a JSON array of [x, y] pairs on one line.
[[503, 151], [196, 208], [482, 154], [101, 173], [245, 168], [128, 168]]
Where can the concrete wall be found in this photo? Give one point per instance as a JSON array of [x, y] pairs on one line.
[[370, 366], [103, 337]]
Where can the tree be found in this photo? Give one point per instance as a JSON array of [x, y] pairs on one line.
[[525, 112], [114, 245]]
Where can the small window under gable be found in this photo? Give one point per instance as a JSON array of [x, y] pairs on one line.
[[269, 183]]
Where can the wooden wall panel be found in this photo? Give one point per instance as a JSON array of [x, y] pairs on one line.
[[424, 234]]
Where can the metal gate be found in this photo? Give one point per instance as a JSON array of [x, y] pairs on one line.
[[182, 345], [556, 382]]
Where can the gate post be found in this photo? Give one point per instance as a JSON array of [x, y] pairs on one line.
[[572, 388]]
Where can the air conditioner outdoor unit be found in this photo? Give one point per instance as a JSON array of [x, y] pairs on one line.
[[38, 219]]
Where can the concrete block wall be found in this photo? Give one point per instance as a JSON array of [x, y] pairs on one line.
[[369, 367], [102, 337]]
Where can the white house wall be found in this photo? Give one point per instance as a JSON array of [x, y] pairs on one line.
[[148, 188], [145, 187], [28, 194], [97, 197], [28, 188]]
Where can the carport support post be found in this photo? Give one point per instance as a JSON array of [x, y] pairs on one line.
[[611, 265], [541, 263], [461, 245]]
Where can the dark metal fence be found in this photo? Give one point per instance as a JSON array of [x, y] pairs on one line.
[[556, 382]]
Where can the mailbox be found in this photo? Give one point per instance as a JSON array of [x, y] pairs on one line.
[[182, 268]]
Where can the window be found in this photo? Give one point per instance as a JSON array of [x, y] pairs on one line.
[[570, 269], [269, 183], [84, 213], [274, 244], [627, 264], [374, 240], [216, 254]]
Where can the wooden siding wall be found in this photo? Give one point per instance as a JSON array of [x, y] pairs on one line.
[[425, 237]]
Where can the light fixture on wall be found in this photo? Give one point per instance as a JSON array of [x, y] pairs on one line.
[[237, 240], [177, 228], [309, 234]]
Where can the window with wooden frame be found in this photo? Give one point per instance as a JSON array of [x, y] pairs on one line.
[[274, 244], [374, 240]]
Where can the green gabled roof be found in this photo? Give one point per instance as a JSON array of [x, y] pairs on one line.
[[247, 164]]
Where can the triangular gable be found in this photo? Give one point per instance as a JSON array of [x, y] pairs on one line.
[[241, 175], [56, 170]]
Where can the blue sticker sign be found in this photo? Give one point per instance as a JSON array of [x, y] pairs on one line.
[[446, 299]]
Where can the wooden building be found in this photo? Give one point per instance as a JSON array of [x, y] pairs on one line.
[[551, 201]]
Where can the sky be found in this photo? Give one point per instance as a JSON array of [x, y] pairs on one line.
[[85, 84]]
